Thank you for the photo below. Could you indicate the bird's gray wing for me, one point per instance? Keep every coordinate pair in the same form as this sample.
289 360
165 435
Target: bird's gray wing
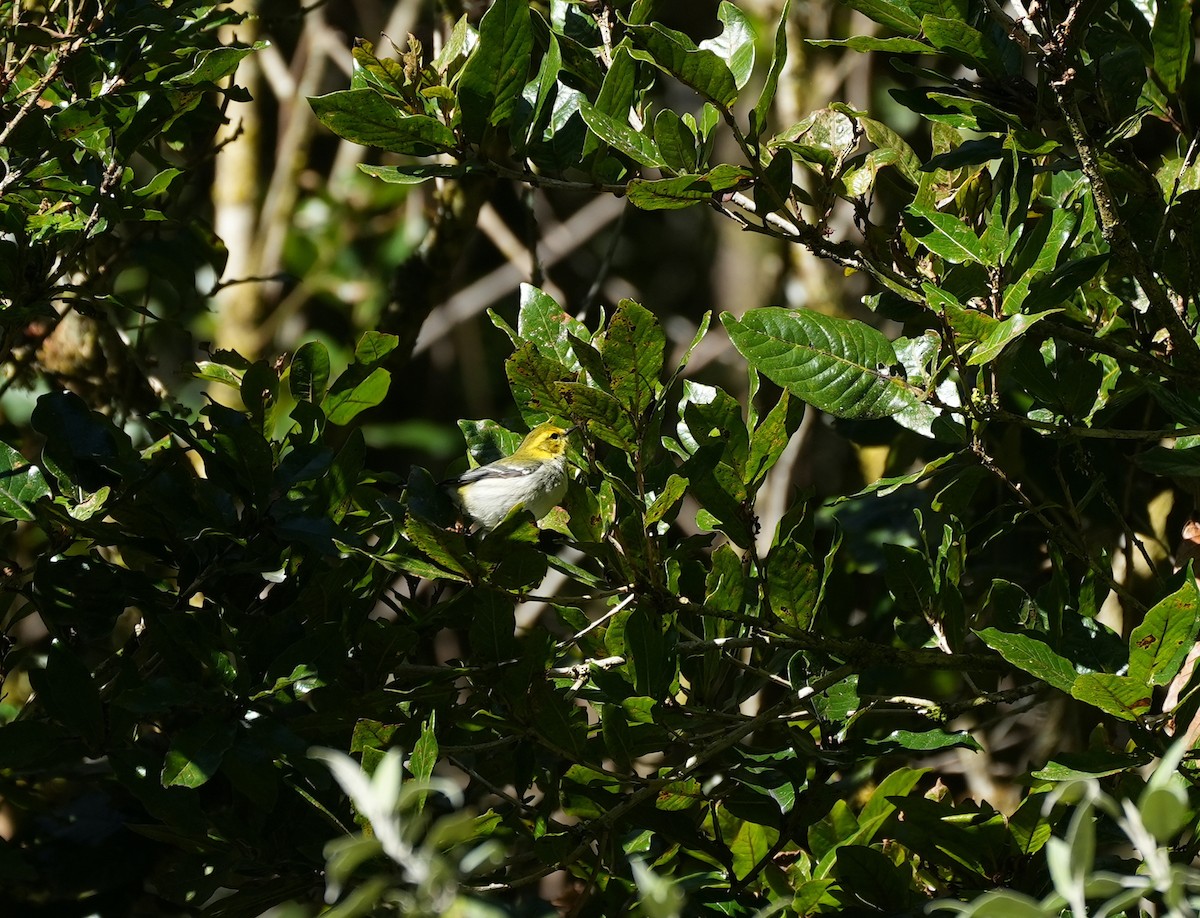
490 471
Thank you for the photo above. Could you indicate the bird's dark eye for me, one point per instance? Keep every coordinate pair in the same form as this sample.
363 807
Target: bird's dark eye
554 436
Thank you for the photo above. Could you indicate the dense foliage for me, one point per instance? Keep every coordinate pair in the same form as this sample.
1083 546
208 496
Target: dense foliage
667 696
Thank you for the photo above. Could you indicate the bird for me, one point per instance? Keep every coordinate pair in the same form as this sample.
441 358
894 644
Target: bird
534 476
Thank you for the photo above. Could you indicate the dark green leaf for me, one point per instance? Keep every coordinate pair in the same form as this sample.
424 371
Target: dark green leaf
675 141
68 691
1000 335
678 55
758 117
309 373
874 879
646 654
212 65
197 751
929 740
492 79
425 751
492 625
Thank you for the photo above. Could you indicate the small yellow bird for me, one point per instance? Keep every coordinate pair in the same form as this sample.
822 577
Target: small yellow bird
535 476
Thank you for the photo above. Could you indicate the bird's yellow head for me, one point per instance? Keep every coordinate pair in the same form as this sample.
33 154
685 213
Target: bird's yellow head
546 441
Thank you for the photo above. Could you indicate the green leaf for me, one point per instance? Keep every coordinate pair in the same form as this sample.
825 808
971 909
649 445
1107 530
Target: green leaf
1096 763
821 139
646 654
632 349
413 175
907 161
872 43
1002 334
685 190
874 878
545 83
373 347
1180 462
1005 903
346 402
792 584
772 437
1122 696
196 752
895 14
671 494
946 236
364 116
1159 645
535 380
492 79
675 141
444 547
544 323
212 65
600 412
425 751
1171 38
308 375
963 42
774 187
83 447
618 738
929 740
616 96
679 796
899 783
735 44
560 721
493 625
1033 656
752 844
841 366
758 117
620 136
678 55
725 587
1029 827
885 486
21 484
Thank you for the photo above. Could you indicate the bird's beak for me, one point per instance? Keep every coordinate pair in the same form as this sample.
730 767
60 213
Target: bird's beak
570 430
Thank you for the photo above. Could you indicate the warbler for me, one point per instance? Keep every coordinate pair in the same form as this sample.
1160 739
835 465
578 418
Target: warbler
535 476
